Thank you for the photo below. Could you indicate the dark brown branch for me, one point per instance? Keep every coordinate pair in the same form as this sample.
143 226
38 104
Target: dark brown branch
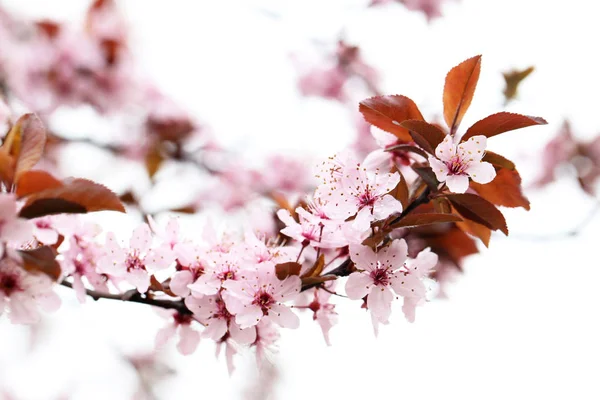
133 296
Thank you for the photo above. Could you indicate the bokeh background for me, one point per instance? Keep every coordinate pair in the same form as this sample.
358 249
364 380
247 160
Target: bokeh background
521 323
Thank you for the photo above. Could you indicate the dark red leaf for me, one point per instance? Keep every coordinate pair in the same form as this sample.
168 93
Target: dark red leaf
459 89
498 161
35 181
479 210
426 135
501 122
76 196
504 190
286 269
388 112
426 219
41 260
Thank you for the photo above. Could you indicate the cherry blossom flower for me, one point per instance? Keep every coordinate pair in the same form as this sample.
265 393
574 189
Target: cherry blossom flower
382 158
191 264
257 251
212 312
312 230
379 274
222 267
420 268
455 164
355 190
79 261
323 311
23 293
260 295
178 323
44 231
132 264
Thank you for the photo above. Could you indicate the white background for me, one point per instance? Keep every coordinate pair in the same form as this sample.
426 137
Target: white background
522 323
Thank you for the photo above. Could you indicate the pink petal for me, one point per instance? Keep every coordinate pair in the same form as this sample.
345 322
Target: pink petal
409 308
408 285
242 336
79 288
139 278
481 172
159 259
23 309
422 265
457 183
207 284
380 303
358 285
386 206
283 316
394 255
363 219
164 335
250 316
363 256
383 138
179 283
287 289
141 239
188 339
378 159
215 328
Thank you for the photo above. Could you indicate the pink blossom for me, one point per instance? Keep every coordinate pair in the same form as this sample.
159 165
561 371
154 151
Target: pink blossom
260 295
383 158
212 312
456 164
326 82
23 293
221 267
79 261
178 323
191 264
133 263
323 311
355 190
378 274
420 268
312 229
257 251
44 231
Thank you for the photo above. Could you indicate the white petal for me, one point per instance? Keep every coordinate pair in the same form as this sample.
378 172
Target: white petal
378 159
215 328
179 283
473 149
383 138
457 183
386 206
141 239
481 172
358 285
242 336
393 255
139 278
363 219
287 289
445 150
439 169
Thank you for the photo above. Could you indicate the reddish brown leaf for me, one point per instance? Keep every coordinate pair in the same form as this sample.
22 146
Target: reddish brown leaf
388 112
41 260
504 190
479 210
459 89
407 147
501 122
454 244
425 219
286 269
513 79
317 268
479 231
426 173
426 135
311 281
153 160
76 196
442 205
29 146
35 181
497 160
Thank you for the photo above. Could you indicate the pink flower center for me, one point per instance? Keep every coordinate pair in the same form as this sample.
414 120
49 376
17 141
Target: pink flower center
227 274
42 224
366 198
134 262
222 312
380 277
182 319
9 284
456 166
264 300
